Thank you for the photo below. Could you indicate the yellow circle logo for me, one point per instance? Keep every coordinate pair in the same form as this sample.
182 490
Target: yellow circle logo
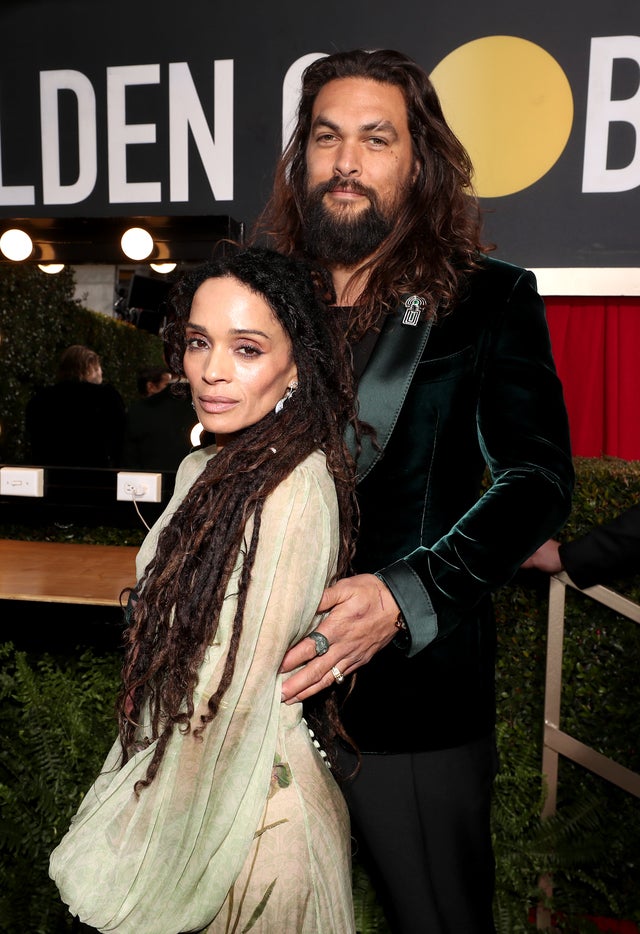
510 104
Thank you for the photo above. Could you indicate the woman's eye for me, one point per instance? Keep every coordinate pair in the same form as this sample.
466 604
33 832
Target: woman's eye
196 342
249 350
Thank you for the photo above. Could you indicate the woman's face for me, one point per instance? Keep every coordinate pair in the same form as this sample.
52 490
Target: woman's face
238 357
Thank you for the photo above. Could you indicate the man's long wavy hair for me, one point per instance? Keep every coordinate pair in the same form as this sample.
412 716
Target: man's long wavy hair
180 594
436 239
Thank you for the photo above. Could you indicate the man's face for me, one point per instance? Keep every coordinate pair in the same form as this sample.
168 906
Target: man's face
360 168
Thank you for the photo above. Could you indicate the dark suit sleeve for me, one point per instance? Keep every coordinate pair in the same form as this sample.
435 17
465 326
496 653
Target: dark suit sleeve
523 434
608 551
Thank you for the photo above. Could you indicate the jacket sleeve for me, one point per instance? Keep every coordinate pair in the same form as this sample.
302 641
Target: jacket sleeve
606 552
523 435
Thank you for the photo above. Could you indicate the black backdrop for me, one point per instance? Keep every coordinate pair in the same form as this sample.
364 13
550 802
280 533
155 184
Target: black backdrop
550 223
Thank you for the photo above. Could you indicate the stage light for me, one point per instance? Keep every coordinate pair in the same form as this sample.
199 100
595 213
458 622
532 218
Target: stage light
51 268
16 244
163 268
136 243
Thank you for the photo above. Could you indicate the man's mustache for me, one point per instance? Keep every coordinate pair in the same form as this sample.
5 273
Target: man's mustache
338 184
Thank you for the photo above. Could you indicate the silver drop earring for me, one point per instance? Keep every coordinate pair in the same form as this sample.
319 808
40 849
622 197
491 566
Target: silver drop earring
280 403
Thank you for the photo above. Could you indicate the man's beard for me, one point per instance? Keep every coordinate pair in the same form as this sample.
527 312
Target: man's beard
341 238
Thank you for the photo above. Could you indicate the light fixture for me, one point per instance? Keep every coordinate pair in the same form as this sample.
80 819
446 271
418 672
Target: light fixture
137 243
15 244
163 268
74 241
51 268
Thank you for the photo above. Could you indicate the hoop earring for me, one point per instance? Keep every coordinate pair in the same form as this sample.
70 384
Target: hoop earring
280 403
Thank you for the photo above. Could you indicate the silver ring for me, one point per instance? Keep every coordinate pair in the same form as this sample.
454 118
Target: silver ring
337 674
321 642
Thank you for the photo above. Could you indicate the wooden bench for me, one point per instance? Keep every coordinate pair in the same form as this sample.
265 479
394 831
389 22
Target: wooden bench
60 572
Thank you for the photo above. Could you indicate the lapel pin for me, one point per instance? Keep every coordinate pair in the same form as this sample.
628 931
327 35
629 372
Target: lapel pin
414 305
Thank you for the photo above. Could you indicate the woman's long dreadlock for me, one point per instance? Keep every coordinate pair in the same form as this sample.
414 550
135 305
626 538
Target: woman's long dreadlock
180 594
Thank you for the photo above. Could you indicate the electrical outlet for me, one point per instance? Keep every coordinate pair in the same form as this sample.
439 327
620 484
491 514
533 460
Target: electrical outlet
22 481
141 487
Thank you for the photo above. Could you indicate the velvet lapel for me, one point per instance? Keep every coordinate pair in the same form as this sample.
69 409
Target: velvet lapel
385 382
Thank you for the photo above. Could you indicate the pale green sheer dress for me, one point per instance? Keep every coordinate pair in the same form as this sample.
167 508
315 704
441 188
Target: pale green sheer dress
246 830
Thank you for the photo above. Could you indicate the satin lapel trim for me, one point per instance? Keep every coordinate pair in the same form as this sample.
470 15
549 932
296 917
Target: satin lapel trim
385 382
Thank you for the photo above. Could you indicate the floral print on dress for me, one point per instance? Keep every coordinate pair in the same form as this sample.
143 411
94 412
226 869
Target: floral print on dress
280 778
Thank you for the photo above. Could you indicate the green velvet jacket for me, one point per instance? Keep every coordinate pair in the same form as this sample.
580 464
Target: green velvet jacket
477 389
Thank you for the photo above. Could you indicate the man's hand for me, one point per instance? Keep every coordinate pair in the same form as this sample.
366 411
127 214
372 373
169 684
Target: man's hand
361 622
546 558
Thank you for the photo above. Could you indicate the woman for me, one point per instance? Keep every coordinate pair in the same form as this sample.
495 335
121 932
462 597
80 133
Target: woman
215 811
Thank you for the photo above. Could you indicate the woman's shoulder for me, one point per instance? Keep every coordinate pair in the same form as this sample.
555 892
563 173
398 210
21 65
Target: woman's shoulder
192 465
310 477
316 462
314 465
306 499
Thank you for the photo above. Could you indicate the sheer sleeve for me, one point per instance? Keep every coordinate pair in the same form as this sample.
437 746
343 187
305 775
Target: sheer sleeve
163 862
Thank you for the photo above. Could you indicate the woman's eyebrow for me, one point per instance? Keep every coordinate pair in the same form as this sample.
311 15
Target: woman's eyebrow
192 326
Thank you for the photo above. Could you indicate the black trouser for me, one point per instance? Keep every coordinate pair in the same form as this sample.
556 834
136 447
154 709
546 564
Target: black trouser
421 823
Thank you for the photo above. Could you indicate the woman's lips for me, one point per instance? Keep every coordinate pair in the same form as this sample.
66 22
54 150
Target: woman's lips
214 405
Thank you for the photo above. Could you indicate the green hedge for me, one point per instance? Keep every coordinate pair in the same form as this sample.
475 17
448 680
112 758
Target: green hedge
57 722
39 318
592 846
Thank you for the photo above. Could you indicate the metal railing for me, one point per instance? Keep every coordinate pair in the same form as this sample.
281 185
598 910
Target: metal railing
556 742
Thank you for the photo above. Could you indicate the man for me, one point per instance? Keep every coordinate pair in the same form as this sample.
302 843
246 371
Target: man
152 380
158 426
79 420
605 553
455 372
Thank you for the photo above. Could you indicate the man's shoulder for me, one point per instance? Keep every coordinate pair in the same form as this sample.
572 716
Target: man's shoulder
492 269
495 279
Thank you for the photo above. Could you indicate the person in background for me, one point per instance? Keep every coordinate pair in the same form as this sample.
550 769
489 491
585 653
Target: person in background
215 811
152 380
452 352
79 420
607 552
158 426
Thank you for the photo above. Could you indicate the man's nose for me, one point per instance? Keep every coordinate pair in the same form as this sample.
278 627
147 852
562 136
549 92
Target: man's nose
347 163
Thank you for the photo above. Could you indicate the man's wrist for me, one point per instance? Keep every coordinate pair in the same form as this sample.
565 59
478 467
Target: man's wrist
403 637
